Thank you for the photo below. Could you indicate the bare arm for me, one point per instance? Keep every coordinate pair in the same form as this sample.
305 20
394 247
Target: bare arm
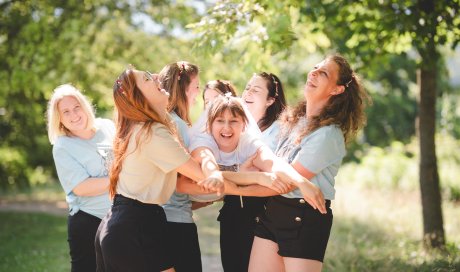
92 187
267 161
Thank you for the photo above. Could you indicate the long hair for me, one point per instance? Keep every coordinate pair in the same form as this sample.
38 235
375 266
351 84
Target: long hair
346 110
176 78
55 127
223 103
131 109
220 86
275 91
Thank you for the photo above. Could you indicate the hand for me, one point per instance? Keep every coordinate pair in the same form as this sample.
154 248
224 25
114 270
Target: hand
230 188
272 181
248 165
215 182
313 195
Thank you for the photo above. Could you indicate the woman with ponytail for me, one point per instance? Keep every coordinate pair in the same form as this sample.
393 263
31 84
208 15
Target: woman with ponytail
291 236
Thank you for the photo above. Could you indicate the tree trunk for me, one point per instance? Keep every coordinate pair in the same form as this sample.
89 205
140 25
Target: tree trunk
433 229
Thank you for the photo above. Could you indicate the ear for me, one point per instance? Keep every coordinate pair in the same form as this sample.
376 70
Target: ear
270 101
338 90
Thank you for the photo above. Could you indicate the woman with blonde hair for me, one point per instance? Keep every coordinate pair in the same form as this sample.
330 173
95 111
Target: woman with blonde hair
82 148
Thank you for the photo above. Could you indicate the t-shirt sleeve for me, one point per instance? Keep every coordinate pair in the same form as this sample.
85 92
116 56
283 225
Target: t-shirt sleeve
203 140
249 145
165 151
321 150
70 171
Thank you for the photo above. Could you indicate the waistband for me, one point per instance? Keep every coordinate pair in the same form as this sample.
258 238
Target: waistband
295 201
123 200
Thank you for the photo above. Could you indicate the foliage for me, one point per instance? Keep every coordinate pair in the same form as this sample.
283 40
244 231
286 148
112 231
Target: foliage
395 167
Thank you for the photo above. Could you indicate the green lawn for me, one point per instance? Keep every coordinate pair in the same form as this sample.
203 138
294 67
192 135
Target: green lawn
373 230
33 242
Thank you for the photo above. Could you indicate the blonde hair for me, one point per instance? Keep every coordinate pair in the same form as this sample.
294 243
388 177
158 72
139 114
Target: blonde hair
55 126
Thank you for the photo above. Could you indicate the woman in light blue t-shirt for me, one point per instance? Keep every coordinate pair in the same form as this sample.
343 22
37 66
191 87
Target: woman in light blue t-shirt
181 80
291 235
82 149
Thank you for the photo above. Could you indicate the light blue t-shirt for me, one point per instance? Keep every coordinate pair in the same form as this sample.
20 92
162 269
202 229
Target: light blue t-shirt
270 135
179 207
77 159
321 152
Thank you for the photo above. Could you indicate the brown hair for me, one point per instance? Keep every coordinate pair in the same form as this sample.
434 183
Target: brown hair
223 103
131 109
275 91
220 86
175 78
346 110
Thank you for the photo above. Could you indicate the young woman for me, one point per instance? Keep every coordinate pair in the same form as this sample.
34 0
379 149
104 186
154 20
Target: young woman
147 158
291 236
82 149
228 146
181 80
265 99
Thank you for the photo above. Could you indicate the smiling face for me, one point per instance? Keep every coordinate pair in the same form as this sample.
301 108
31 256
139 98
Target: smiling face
149 85
226 130
322 82
255 96
193 90
72 115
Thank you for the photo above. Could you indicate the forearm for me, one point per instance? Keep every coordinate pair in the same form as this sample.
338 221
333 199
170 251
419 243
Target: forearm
248 178
187 186
250 190
208 163
92 187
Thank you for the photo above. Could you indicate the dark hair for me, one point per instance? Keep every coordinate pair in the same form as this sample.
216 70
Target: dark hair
175 78
275 91
346 110
223 103
220 86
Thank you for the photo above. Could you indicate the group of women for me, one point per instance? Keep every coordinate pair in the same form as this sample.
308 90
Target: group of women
131 186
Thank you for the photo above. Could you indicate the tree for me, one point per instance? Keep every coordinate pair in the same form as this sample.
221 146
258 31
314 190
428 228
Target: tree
367 31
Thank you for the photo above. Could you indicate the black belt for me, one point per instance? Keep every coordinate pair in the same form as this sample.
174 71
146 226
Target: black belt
123 200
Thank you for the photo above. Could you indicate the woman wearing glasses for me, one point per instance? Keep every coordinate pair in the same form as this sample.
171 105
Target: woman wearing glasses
147 157
82 149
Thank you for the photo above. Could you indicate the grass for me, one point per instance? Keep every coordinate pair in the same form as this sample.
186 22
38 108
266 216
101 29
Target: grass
373 230
33 242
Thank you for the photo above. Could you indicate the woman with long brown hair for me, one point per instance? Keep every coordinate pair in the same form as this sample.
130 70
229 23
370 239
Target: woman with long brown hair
291 236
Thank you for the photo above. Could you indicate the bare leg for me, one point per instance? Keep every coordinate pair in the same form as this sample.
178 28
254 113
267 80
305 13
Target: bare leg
169 270
297 264
264 256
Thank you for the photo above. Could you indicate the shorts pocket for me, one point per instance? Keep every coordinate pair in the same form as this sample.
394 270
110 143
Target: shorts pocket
286 220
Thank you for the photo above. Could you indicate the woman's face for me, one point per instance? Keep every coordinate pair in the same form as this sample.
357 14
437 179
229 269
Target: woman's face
322 81
255 96
149 85
226 130
210 95
72 115
193 90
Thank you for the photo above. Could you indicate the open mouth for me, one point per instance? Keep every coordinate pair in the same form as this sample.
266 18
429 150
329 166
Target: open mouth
248 102
163 91
226 135
310 84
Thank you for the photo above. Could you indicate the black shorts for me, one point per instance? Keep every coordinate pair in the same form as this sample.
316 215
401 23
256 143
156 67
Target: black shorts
132 237
184 247
299 230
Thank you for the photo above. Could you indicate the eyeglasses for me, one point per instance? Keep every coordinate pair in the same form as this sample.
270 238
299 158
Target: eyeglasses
148 76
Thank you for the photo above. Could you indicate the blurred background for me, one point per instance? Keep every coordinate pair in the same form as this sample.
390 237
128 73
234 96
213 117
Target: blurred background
398 195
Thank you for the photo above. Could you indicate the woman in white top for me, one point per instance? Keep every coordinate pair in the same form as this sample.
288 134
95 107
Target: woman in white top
82 149
265 99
